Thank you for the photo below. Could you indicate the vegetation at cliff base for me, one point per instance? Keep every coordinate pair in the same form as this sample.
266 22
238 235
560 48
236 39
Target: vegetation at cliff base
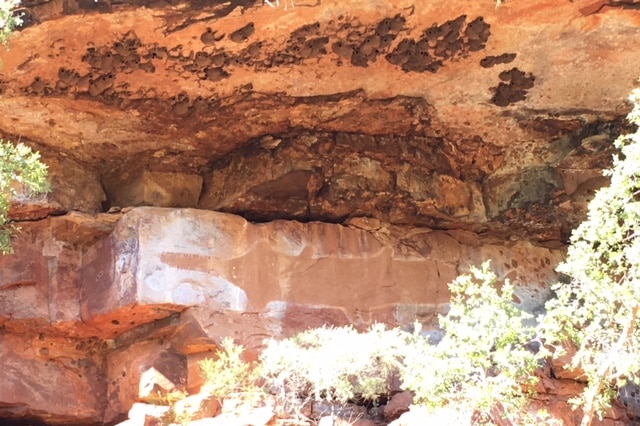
483 358
487 361
20 170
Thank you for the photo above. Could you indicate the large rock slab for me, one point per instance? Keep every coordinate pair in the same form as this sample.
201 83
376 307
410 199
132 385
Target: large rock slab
51 379
146 371
40 280
281 277
113 311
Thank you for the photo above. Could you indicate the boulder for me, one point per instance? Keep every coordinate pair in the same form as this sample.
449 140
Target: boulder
398 404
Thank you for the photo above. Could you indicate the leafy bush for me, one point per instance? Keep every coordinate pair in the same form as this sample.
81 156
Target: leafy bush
482 363
598 309
334 364
229 373
482 359
17 164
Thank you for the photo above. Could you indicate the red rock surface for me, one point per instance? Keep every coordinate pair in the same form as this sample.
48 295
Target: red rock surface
289 274
399 178
229 277
287 133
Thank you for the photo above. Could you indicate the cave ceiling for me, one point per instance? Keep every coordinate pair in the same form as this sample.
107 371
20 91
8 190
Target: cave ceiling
437 114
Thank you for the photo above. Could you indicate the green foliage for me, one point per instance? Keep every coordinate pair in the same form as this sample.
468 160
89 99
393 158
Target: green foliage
18 164
334 364
482 362
482 359
8 20
598 309
229 373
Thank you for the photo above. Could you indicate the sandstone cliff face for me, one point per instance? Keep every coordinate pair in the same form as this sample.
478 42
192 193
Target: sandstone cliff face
170 283
406 140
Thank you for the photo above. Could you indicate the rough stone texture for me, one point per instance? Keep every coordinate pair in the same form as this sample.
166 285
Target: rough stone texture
486 141
398 404
499 119
173 282
40 281
144 371
51 378
198 406
142 187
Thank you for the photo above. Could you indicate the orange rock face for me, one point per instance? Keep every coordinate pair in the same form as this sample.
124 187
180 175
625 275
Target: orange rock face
379 149
295 275
425 114
168 284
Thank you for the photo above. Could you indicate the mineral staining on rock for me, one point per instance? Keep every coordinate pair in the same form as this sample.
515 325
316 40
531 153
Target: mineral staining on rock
354 44
513 88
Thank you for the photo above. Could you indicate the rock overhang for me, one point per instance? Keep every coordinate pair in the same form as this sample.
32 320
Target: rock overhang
191 89
437 164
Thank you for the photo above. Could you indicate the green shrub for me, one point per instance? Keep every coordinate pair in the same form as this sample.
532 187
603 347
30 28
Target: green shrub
229 373
598 310
333 364
17 164
8 20
482 360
